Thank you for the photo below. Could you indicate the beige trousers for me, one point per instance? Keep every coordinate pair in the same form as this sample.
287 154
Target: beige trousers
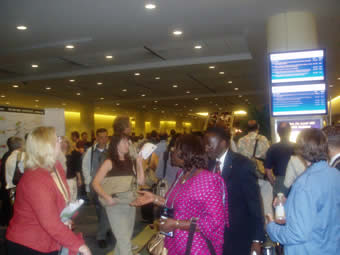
72 185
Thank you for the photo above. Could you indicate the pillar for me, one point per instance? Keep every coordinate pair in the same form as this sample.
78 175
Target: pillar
87 119
287 32
140 123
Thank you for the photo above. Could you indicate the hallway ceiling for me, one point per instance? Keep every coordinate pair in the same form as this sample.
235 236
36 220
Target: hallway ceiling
231 34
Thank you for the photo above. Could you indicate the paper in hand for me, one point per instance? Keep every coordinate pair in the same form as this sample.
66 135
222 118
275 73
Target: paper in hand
147 150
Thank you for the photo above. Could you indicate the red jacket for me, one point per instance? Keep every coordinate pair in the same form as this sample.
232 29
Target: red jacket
36 221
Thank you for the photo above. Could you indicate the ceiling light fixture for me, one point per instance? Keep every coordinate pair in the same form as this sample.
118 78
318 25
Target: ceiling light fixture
2 96
155 101
203 113
239 96
175 86
211 67
137 74
221 72
197 47
118 104
109 57
331 86
142 95
72 80
99 83
177 32
338 78
176 104
7 103
235 88
70 46
157 78
48 88
102 98
63 104
124 90
21 27
15 86
78 94
188 92
150 6
230 82
35 66
196 98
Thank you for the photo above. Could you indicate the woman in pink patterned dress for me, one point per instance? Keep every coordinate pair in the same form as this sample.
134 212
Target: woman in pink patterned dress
197 193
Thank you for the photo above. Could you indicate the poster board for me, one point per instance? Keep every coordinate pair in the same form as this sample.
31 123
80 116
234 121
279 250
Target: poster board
15 121
55 117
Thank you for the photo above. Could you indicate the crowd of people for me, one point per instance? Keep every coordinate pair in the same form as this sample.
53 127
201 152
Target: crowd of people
223 189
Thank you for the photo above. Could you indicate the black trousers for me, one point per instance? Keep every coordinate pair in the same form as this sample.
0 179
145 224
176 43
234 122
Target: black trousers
18 249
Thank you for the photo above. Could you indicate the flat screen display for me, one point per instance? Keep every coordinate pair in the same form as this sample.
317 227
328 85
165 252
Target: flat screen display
297 66
304 99
297 126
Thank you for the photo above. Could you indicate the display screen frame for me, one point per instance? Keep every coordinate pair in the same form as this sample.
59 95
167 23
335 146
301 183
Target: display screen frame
301 81
297 83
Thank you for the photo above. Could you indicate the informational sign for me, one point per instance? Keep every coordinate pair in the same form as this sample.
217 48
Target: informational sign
298 125
16 121
297 66
299 100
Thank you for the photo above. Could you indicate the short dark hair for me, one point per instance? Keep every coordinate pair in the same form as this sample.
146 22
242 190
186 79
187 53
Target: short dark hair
311 144
101 130
120 124
252 125
83 133
223 133
163 136
75 134
333 135
192 152
284 129
172 132
14 143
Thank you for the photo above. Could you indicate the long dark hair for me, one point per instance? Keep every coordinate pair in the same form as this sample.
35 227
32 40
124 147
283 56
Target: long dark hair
113 152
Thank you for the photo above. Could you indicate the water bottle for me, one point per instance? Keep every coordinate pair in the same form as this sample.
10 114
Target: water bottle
279 209
268 250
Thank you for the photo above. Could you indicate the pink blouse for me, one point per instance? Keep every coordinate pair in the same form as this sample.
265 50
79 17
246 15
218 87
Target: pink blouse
203 196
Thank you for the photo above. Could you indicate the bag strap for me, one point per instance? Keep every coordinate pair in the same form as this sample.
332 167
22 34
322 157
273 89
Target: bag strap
254 153
61 186
92 152
192 230
165 157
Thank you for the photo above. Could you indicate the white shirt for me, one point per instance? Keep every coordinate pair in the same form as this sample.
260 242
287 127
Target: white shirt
222 159
333 159
10 166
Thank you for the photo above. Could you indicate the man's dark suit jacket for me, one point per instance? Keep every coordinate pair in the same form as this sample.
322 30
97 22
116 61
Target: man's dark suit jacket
244 204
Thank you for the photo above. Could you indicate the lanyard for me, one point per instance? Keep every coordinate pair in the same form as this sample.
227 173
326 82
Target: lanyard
60 185
173 187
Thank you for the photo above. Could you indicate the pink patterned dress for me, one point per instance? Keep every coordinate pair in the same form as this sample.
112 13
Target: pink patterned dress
203 196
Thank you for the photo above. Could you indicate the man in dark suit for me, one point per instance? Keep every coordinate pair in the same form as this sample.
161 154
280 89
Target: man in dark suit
246 231
333 135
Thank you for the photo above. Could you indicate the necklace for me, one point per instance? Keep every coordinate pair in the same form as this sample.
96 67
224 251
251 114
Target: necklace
189 176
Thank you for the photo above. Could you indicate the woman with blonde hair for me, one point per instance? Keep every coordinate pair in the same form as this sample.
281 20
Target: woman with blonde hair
41 195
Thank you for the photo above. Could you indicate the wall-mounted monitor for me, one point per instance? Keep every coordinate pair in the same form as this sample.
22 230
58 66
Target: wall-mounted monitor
306 99
298 66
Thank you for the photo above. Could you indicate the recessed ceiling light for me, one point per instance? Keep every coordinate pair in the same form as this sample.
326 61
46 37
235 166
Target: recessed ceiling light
220 109
72 80
155 101
235 88
142 95
177 32
102 98
331 86
99 83
190 110
163 111
109 57
188 92
48 88
197 47
78 94
2 96
175 86
137 74
338 78
239 96
211 67
118 104
150 6
196 98
36 105
15 86
21 27
157 78
155 108
176 104
221 72
124 90
70 46
35 66
230 82
63 104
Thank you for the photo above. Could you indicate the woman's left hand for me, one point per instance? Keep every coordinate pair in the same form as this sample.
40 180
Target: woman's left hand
167 225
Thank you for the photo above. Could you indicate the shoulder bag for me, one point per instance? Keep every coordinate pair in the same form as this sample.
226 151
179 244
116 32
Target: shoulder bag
259 162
